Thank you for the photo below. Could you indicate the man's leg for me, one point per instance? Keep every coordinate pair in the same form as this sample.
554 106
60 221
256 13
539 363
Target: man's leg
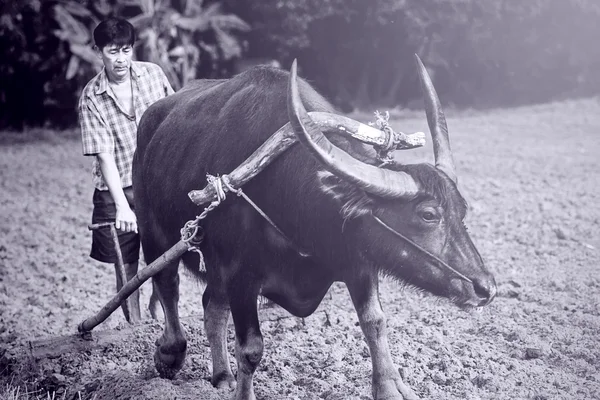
131 315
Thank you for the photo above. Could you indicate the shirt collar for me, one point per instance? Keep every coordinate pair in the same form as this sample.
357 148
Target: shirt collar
102 83
137 70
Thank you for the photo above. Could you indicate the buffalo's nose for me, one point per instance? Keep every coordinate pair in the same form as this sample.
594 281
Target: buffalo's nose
486 289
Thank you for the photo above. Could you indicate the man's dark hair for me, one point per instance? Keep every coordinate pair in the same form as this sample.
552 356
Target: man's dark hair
117 31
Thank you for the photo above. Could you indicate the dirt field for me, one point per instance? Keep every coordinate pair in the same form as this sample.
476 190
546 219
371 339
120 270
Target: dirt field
531 176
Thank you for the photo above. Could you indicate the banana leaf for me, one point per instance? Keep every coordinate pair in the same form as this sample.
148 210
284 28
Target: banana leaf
229 22
86 53
102 7
199 23
77 31
229 45
148 6
191 7
73 67
177 51
75 8
142 21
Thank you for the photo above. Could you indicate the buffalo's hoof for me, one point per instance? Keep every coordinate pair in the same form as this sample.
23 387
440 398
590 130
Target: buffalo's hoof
168 364
394 389
223 380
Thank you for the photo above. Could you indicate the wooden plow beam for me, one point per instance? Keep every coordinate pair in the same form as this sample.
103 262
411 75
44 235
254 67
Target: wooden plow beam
132 285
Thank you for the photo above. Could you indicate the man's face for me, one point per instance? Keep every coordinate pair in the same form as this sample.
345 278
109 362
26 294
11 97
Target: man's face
117 61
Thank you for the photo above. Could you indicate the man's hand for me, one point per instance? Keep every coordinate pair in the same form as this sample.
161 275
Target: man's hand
125 219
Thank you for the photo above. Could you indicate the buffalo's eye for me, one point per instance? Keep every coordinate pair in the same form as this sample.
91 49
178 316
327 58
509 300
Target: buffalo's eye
429 216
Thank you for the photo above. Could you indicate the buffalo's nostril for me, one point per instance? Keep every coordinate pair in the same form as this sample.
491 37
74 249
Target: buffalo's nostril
485 288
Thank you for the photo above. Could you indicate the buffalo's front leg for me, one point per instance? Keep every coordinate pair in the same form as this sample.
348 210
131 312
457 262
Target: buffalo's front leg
248 338
387 383
216 315
171 346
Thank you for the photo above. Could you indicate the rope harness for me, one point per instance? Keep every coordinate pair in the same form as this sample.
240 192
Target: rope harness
193 234
393 140
422 250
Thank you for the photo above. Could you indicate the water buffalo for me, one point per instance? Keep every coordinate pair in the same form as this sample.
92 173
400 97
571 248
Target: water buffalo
339 217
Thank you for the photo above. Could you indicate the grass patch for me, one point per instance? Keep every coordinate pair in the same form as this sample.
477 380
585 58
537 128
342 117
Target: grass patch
15 392
25 380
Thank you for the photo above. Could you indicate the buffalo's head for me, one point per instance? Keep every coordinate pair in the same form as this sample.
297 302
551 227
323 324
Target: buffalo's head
409 218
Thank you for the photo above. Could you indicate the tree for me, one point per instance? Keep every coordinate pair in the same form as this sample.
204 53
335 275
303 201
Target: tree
176 34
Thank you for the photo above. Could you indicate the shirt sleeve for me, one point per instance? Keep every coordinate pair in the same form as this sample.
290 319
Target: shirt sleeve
95 135
168 89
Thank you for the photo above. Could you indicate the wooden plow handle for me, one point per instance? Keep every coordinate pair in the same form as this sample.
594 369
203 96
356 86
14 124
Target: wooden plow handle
93 227
115 237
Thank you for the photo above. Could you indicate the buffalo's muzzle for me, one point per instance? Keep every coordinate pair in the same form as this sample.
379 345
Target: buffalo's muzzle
485 289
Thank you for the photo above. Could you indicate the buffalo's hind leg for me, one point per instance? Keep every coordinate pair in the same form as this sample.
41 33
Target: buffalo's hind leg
243 296
387 383
216 316
171 346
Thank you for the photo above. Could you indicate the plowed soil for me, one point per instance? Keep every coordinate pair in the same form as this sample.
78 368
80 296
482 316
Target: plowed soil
531 177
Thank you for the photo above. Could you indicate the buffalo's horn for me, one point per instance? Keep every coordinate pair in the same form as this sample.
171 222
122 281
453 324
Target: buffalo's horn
437 124
374 180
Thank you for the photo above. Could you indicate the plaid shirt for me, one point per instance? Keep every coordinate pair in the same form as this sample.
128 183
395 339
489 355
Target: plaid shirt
107 128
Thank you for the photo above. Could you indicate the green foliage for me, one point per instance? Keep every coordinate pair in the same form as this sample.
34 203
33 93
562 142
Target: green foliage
175 35
47 50
76 22
172 34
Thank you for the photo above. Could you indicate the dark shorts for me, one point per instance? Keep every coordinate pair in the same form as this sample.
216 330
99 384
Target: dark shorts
103 248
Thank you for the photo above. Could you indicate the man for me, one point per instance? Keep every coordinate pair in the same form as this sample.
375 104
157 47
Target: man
110 109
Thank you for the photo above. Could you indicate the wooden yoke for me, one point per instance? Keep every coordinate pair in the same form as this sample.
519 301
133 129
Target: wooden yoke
285 137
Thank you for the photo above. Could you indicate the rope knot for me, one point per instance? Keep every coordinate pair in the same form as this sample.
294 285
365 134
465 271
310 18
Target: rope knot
227 184
189 230
394 140
217 183
222 185
384 152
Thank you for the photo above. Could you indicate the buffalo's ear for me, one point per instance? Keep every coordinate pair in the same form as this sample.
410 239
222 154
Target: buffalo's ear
353 201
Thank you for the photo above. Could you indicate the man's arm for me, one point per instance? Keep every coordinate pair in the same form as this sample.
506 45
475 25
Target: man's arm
97 141
125 219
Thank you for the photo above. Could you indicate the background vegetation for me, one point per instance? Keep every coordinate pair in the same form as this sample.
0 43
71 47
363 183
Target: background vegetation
358 53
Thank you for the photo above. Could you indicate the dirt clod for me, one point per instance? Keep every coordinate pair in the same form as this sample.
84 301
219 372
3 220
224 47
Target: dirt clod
532 353
560 233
